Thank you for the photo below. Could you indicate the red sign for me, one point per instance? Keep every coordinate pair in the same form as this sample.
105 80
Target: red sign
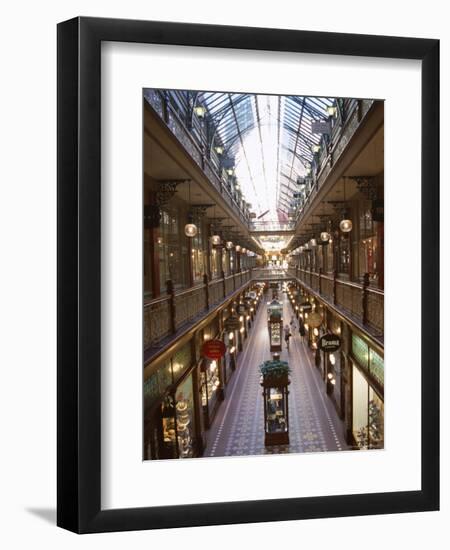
213 349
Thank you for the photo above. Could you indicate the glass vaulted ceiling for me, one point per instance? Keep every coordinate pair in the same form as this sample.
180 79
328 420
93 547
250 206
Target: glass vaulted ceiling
271 141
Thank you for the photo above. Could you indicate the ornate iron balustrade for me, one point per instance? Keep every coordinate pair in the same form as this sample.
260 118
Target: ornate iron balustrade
156 321
358 301
164 316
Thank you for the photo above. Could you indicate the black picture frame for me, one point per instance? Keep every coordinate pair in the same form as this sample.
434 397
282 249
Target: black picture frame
79 280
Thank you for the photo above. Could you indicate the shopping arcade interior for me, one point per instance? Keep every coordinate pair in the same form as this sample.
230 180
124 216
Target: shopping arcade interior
199 152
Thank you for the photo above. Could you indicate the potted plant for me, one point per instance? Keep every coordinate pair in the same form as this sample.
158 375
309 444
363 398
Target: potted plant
275 372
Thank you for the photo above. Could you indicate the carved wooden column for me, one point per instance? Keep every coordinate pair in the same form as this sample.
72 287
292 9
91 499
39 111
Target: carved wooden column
364 298
335 286
224 284
172 307
205 282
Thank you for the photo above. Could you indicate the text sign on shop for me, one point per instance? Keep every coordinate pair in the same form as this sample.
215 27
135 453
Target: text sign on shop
329 342
232 323
305 306
213 349
241 309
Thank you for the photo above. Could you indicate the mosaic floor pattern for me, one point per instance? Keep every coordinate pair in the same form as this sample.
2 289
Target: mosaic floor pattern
238 429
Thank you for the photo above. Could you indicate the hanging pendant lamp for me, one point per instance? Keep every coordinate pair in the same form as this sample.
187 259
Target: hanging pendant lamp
190 229
346 224
215 239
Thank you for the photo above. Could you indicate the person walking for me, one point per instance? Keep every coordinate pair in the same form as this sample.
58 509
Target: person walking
301 329
293 325
287 335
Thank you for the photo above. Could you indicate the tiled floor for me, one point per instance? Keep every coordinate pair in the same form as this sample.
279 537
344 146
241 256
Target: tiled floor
238 428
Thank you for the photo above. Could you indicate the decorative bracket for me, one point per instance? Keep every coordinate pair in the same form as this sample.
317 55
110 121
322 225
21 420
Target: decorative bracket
199 210
366 185
166 190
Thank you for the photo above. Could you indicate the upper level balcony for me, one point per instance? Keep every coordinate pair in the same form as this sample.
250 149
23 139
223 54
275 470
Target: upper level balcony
191 135
198 136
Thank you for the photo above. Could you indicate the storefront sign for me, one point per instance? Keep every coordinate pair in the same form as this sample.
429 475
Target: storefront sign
329 342
314 319
232 323
241 309
213 349
305 306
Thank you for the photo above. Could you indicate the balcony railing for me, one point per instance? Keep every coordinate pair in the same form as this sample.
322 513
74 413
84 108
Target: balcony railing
358 301
164 316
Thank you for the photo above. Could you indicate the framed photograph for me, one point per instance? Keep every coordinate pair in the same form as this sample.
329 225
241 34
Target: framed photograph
234 204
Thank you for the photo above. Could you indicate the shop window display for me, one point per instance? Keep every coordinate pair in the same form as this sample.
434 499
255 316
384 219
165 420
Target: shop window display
185 418
368 414
368 243
172 251
169 432
210 383
368 358
360 407
344 254
198 253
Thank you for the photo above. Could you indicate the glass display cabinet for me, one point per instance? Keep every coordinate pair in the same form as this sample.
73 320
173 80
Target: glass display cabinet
210 384
275 382
275 307
275 331
275 324
185 419
169 433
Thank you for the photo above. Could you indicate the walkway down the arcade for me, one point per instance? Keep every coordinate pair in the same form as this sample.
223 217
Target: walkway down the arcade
314 425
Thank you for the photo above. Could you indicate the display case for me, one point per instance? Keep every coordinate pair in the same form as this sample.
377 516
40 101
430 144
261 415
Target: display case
275 382
275 324
169 432
275 332
275 307
185 419
210 385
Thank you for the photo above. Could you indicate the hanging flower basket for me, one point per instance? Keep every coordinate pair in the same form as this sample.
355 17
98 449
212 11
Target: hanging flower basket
275 372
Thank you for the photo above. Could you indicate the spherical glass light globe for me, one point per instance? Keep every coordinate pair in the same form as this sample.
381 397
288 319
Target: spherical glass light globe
190 230
216 240
238 248
313 242
325 236
346 226
244 250
229 245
